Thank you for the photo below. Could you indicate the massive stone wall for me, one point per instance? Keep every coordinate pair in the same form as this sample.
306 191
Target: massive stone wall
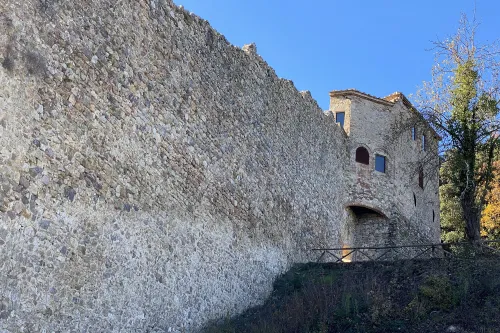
152 176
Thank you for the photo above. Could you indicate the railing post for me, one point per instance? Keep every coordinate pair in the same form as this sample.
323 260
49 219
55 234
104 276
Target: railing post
321 256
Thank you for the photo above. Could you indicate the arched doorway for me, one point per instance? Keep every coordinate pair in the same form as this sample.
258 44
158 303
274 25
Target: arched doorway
370 228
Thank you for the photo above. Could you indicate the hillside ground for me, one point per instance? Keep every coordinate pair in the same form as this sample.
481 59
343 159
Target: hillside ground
435 295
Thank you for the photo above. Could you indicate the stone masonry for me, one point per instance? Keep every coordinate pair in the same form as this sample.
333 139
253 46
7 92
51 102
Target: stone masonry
154 177
408 211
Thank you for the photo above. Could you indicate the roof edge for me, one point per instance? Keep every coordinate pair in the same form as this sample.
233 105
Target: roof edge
354 92
389 100
407 103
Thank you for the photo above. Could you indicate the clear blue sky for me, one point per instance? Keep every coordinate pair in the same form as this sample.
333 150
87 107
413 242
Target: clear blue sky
378 47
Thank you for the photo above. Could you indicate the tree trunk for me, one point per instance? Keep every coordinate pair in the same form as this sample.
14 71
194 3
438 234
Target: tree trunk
471 215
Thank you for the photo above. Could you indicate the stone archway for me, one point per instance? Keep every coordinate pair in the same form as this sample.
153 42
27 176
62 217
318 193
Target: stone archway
370 228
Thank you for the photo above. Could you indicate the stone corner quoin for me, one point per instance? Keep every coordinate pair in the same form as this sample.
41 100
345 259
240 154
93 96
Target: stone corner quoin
155 177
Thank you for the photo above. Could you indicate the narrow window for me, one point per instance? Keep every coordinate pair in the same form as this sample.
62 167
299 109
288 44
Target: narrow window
421 177
414 199
433 216
340 118
423 142
362 156
380 163
414 133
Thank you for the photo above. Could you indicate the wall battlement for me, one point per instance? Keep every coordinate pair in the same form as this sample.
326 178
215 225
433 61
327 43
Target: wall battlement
152 175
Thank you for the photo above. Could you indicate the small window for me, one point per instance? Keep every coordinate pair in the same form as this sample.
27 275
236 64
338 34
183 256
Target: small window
421 177
340 118
380 163
362 156
423 142
433 216
414 199
414 133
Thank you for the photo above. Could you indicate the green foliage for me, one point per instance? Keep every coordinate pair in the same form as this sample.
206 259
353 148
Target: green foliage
452 222
436 293
464 109
463 92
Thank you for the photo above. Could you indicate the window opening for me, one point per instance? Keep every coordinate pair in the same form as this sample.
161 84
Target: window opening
421 177
362 156
340 118
433 216
380 163
423 142
414 133
414 199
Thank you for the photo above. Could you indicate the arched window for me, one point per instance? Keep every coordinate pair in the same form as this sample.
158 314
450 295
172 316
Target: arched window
362 156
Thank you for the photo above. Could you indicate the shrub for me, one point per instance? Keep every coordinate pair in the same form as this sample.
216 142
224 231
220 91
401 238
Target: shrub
436 293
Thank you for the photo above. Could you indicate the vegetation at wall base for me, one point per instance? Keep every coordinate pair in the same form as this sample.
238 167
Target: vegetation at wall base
459 295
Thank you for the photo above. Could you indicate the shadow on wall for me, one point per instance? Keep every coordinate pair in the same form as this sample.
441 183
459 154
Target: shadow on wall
371 229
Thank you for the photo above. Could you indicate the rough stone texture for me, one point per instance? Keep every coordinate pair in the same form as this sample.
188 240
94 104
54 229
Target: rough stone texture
383 127
152 176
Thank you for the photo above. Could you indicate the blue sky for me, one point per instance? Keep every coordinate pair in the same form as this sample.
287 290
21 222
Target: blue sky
378 47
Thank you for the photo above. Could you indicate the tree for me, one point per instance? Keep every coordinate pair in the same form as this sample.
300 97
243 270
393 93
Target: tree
452 222
461 102
490 219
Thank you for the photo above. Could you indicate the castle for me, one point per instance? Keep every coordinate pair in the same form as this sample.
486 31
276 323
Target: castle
392 198
154 177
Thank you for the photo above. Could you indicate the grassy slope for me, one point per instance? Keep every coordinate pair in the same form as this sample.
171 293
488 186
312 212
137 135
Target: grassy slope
404 296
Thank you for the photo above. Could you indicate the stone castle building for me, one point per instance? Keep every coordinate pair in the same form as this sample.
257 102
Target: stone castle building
154 177
393 195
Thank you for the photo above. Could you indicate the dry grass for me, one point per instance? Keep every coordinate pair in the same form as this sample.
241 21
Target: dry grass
403 296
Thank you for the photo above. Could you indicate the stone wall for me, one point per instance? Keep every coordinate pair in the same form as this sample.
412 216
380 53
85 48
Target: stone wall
152 176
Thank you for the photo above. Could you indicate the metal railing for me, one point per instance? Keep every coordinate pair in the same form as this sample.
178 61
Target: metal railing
398 252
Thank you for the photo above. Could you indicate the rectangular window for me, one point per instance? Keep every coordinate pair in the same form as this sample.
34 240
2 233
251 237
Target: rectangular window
340 118
423 142
380 163
414 133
